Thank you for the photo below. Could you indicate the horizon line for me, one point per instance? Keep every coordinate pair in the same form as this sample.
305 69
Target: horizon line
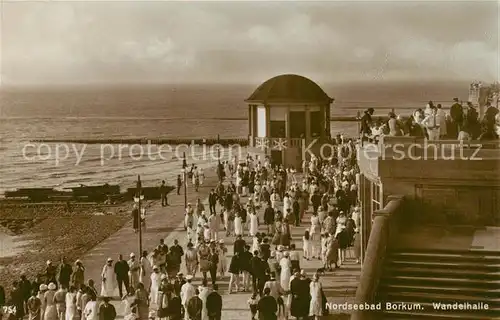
107 85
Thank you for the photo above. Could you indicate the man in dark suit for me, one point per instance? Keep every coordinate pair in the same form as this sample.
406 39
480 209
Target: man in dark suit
366 121
121 271
301 297
195 306
267 306
212 200
457 118
258 273
179 184
214 304
239 245
163 194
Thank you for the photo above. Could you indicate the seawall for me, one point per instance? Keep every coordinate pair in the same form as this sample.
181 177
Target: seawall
155 141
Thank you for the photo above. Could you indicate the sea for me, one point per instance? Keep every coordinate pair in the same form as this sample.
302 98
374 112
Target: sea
157 111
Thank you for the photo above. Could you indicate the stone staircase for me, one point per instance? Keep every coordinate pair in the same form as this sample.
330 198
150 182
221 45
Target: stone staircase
466 282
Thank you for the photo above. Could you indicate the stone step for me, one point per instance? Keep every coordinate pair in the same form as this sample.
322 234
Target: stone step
447 252
452 265
402 315
455 273
437 289
440 297
448 281
438 257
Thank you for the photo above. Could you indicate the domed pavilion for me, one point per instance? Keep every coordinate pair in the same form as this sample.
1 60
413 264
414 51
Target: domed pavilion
287 114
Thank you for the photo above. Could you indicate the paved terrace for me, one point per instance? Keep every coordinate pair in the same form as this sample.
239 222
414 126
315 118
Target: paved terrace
166 222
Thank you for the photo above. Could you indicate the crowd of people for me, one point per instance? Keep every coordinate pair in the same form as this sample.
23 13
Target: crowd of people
256 203
434 123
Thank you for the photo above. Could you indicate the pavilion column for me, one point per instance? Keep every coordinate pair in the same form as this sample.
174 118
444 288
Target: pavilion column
268 121
322 133
255 119
250 121
287 123
308 124
327 121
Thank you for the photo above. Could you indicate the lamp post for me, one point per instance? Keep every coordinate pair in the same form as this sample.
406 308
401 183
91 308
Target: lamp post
140 211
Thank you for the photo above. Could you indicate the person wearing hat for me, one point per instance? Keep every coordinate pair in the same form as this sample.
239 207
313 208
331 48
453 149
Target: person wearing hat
222 264
178 283
194 308
316 302
41 296
78 275
106 310
155 285
50 307
108 278
188 291
50 272
134 270
204 291
274 286
191 259
71 304
91 287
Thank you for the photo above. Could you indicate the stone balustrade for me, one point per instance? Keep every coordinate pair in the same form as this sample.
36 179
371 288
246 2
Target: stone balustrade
383 231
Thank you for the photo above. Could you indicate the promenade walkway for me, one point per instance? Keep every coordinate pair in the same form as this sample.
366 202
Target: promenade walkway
339 286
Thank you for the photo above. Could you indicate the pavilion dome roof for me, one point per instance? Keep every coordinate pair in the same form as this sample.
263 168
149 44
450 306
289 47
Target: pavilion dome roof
289 88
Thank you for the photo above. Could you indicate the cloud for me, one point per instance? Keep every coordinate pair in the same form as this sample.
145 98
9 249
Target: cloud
61 42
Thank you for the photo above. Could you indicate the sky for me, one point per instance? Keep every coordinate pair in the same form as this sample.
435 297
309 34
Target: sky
85 42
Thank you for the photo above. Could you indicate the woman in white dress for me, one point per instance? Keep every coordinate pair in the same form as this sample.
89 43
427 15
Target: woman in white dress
315 232
109 285
71 313
204 292
146 270
255 243
321 214
40 295
238 225
91 311
341 223
50 306
128 300
222 265
254 223
156 278
316 304
286 271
